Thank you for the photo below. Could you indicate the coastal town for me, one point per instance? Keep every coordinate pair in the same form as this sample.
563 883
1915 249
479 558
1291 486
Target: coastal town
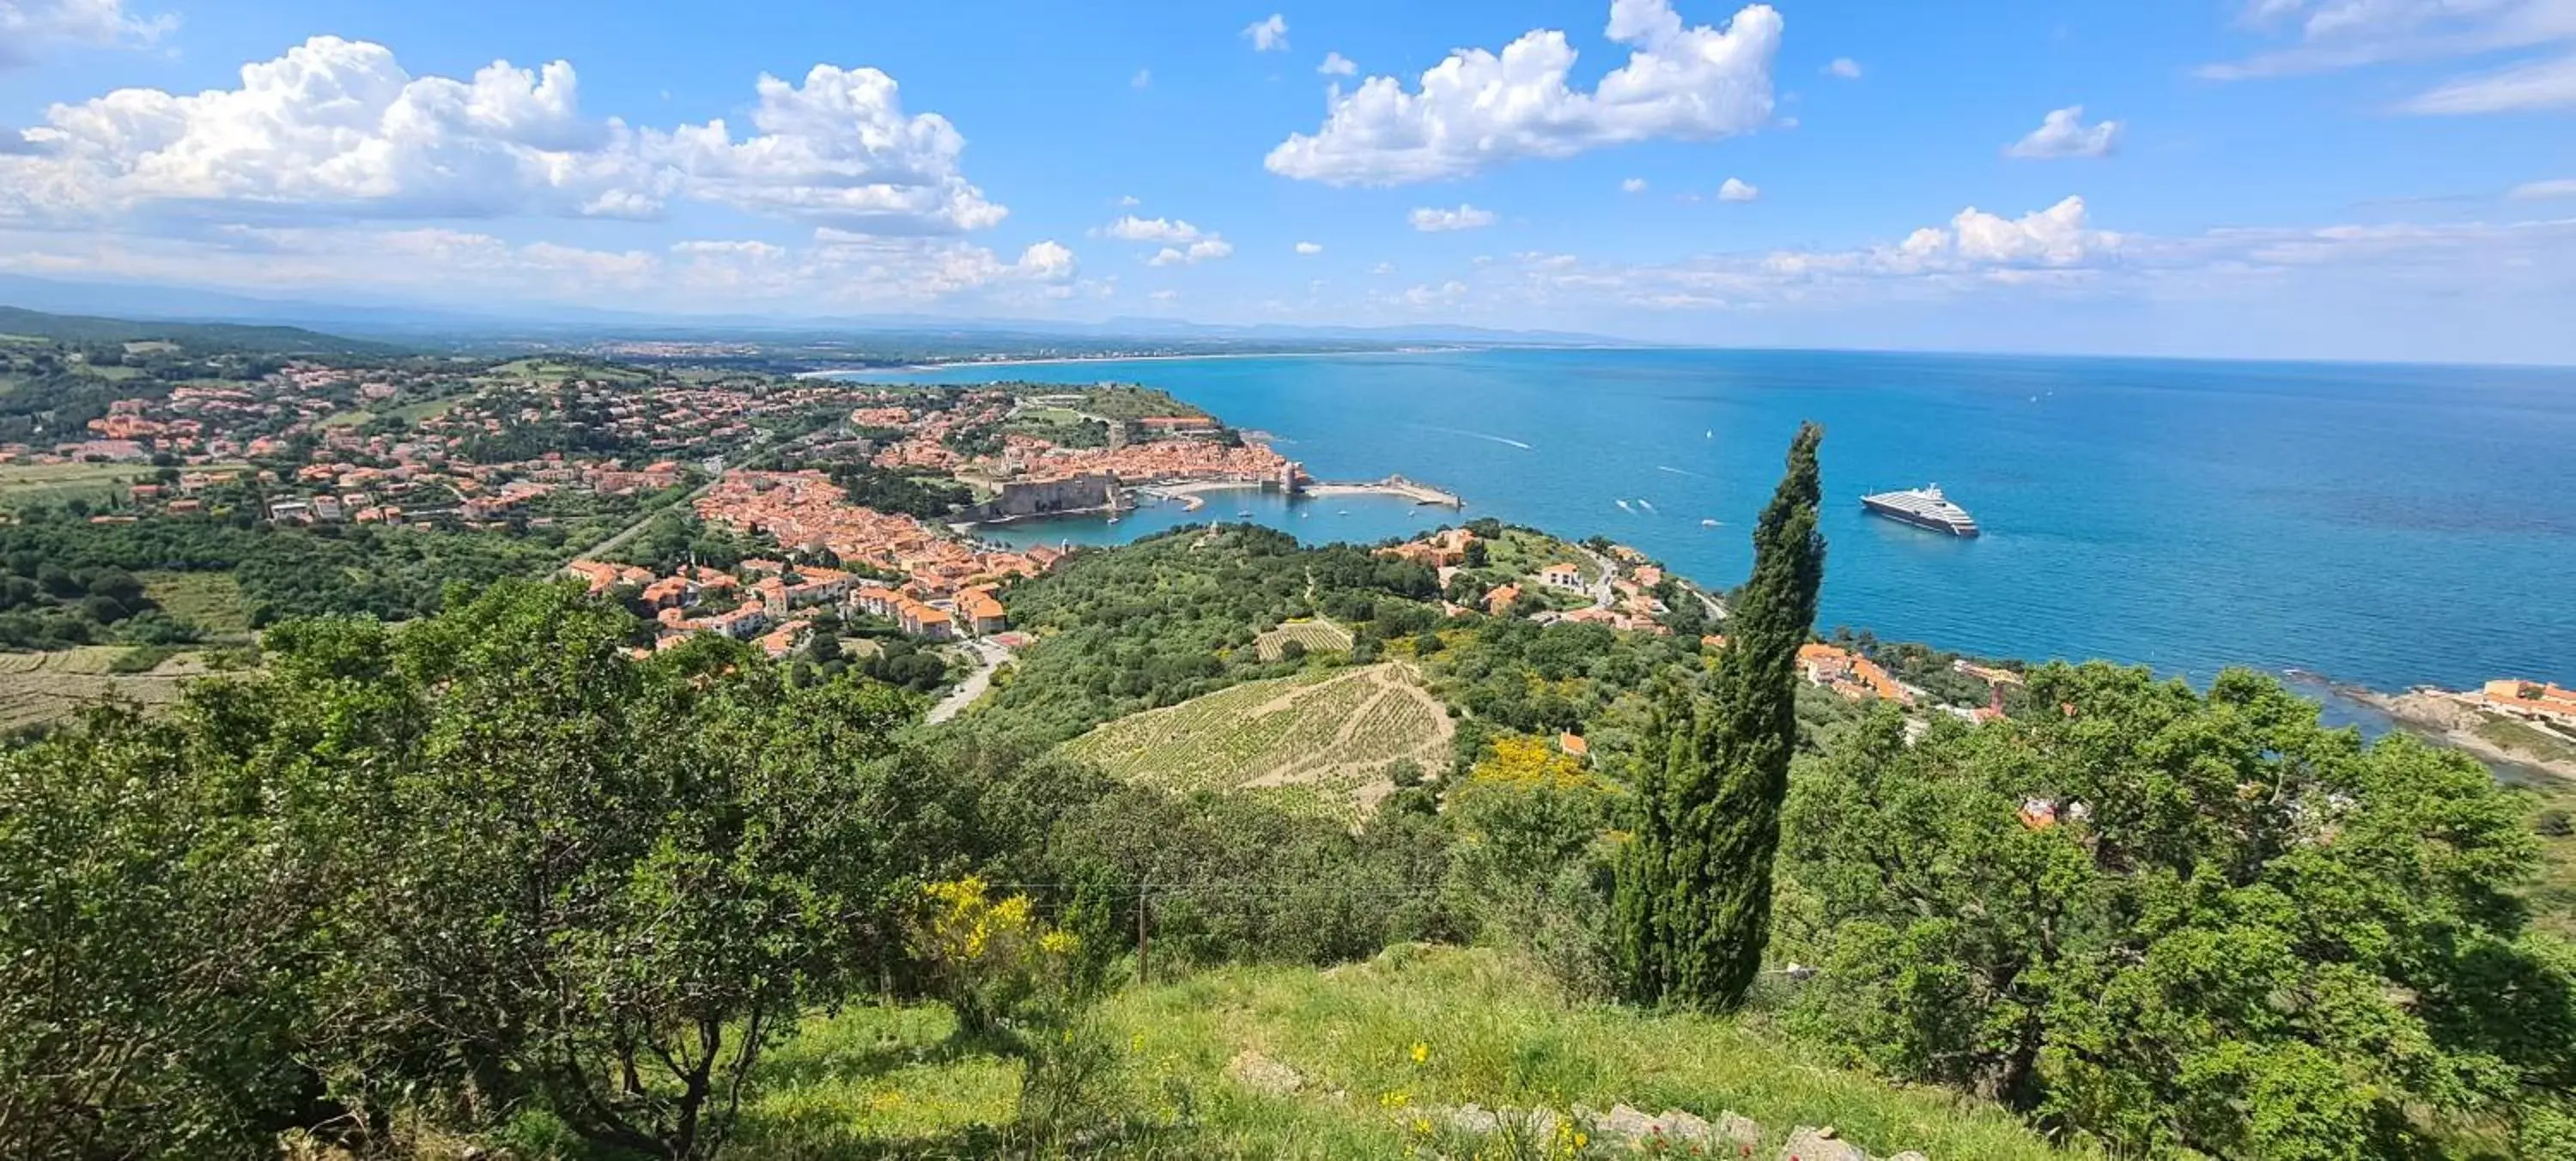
856 504
590 455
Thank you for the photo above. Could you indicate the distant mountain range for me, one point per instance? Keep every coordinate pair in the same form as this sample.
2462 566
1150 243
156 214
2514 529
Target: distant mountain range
433 326
266 340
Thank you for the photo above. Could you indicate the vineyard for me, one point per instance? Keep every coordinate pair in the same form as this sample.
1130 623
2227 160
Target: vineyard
1317 636
1332 732
43 687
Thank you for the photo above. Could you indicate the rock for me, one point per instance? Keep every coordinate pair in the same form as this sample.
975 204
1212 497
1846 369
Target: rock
1812 1144
1261 1074
1683 1128
1909 1155
1736 1130
1625 1123
1471 1118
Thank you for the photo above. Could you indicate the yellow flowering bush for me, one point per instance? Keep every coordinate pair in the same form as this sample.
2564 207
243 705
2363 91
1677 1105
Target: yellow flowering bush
987 957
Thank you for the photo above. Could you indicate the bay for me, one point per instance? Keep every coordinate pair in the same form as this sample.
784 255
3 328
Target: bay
2382 524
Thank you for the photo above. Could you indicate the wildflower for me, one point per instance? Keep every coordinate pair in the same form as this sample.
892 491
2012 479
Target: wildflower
1421 1052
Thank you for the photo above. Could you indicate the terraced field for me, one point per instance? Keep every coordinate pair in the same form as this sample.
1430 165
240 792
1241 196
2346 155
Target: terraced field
1317 636
42 687
1332 732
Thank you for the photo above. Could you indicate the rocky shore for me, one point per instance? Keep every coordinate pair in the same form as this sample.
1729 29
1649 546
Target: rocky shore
2452 720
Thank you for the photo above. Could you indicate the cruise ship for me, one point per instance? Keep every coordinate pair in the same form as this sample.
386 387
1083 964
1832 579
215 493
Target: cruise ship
1923 507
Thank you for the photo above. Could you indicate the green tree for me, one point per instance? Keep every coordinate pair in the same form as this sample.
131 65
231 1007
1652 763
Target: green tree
483 865
2167 919
1693 907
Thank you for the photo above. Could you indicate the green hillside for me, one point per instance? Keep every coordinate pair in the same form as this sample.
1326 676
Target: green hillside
252 339
1375 1059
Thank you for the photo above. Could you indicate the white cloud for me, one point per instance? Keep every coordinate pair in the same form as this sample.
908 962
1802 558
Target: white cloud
1844 67
1196 252
1337 65
1050 261
1383 268
1129 202
1431 219
1181 242
1269 35
2548 84
1441 295
2050 246
2340 34
837 149
1738 190
1310 248
338 127
29 28
834 270
2564 187
1135 229
1144 79
1478 110
1165 296
2063 133
1633 185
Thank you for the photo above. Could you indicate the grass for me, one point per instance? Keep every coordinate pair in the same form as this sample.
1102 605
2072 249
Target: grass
1382 1050
56 483
1316 636
2553 896
36 688
559 370
2528 739
211 601
1333 731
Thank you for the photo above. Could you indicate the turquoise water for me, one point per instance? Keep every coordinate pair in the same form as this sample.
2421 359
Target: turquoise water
2387 525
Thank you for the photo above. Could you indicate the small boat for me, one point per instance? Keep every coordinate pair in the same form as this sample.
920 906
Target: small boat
1343 512
1623 505
1643 503
1245 513
1708 523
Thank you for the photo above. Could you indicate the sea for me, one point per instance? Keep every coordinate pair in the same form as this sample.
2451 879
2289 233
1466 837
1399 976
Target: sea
2382 525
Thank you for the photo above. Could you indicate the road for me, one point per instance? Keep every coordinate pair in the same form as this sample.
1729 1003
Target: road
989 655
636 529
750 455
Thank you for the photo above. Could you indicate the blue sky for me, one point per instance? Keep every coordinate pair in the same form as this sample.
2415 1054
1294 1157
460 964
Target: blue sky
2358 178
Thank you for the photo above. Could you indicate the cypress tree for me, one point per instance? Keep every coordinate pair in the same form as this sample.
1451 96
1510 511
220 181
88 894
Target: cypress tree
1694 894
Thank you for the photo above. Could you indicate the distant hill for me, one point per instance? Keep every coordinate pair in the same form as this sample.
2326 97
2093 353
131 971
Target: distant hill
266 340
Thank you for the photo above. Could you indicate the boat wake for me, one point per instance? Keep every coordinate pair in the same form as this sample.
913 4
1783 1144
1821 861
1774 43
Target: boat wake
1505 440
1675 471
1623 505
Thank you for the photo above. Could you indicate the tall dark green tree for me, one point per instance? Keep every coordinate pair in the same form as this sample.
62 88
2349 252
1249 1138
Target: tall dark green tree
1694 892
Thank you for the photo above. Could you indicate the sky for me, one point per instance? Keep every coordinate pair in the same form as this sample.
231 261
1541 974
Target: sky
2366 179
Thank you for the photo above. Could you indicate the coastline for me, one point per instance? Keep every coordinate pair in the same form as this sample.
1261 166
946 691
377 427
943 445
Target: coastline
1053 360
2443 719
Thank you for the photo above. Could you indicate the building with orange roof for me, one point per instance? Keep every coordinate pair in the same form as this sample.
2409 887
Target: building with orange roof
1849 674
980 612
922 620
1561 575
1574 745
2531 699
1499 602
